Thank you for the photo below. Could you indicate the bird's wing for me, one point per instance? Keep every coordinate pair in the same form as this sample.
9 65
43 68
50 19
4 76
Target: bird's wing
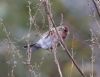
49 33
45 35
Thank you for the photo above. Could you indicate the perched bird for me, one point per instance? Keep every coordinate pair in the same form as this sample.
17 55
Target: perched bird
50 38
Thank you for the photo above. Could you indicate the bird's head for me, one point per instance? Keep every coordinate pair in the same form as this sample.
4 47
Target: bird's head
63 30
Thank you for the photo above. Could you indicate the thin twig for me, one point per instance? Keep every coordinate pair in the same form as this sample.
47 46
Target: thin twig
48 7
32 21
94 42
29 51
96 7
72 65
61 40
30 26
56 60
10 44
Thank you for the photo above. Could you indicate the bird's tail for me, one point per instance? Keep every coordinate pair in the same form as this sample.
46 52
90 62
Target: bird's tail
33 47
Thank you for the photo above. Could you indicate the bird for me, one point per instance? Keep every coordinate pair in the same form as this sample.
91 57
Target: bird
49 38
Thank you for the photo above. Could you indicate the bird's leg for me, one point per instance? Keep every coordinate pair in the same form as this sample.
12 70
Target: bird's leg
50 49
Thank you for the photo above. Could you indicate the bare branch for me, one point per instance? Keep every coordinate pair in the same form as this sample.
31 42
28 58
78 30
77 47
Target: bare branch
56 60
61 40
96 7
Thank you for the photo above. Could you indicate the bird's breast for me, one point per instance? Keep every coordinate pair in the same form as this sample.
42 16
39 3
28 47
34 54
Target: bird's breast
45 42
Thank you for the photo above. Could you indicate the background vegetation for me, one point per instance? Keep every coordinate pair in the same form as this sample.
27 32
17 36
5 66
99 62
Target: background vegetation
82 42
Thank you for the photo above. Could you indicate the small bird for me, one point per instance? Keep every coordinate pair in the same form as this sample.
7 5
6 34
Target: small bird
50 38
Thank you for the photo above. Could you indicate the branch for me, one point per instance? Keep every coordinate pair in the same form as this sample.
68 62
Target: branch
56 60
48 12
61 40
96 7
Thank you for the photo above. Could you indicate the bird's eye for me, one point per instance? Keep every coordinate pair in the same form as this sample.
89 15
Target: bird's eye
65 30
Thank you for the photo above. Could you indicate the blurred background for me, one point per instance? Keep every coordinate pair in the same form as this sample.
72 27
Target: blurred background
82 42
